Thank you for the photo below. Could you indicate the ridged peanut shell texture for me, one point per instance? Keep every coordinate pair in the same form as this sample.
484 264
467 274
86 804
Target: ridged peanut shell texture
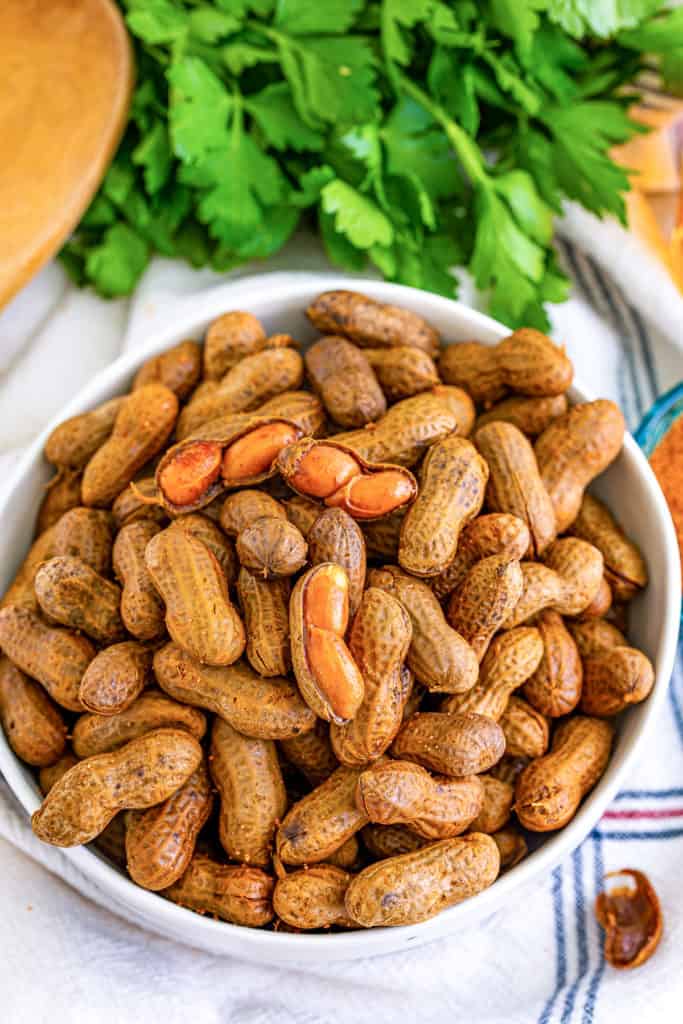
178 368
34 728
450 744
335 537
625 567
100 734
345 381
71 593
313 898
235 893
265 609
495 534
485 599
315 827
371 324
74 442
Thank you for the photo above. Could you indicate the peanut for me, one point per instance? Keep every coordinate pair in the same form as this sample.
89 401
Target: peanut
510 767
484 600
496 805
303 512
56 657
112 841
235 893
615 679
160 842
100 734
179 369
382 537
199 525
346 383
601 603
406 430
199 614
329 679
115 677
390 840
20 592
438 656
85 533
142 773
511 659
573 450
265 608
61 494
595 635
142 610
71 593
416 886
371 324
401 793
229 338
402 371
311 753
550 789
269 709
515 484
625 567
457 744
452 486
526 361
526 730
530 415
248 384
488 535
313 898
322 821
34 728
300 407
242 508
555 687
336 537
460 404
74 442
48 775
143 425
138 501
512 847
347 856
566 581
378 642
247 775
271 547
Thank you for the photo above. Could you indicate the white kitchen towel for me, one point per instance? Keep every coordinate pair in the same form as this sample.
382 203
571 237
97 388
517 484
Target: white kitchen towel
538 959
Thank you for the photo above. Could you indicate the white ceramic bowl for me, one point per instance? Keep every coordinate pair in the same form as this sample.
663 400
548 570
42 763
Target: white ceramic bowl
629 487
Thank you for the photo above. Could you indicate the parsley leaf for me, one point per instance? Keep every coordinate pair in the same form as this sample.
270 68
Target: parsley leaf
313 17
198 110
356 216
115 265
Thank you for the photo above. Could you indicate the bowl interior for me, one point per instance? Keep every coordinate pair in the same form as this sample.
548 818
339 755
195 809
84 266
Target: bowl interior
629 488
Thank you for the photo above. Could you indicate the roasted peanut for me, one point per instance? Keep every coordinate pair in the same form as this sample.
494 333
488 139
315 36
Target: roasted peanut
247 775
494 534
378 642
509 768
142 773
115 677
199 614
382 537
160 842
345 382
271 547
515 485
457 744
496 805
402 371
74 442
248 384
526 361
303 512
555 687
56 657
347 856
402 793
615 679
265 608
371 324
452 485
313 898
573 450
100 734
336 537
390 840
321 821
512 847
179 369
208 532
526 730
416 886
629 912
595 636
601 603
48 775
229 338
438 656
484 600
243 508
550 789
138 501
625 567
301 407
112 841
510 660
71 593
235 893
85 533
530 415
142 610
143 425
269 709
406 431
566 581
20 592
328 677
34 728
61 494
311 753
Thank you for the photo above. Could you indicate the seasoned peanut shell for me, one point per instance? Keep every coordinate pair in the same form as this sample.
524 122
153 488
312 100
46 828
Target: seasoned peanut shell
100 734
74 442
371 324
265 608
336 537
235 893
178 368
346 383
115 677
455 745
34 728
322 821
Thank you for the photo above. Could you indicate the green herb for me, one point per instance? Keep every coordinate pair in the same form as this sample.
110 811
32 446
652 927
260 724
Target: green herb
414 135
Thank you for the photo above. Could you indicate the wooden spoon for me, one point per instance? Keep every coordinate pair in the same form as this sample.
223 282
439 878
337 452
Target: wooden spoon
67 75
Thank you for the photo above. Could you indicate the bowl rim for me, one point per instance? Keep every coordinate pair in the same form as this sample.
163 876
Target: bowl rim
158 912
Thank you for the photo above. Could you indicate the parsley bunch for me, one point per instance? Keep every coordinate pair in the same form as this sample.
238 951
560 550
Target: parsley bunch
418 135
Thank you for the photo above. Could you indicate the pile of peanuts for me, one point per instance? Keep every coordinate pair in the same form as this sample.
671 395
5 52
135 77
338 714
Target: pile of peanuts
324 658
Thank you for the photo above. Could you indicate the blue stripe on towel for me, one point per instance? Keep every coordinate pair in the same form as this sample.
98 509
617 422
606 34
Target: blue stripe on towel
594 984
560 946
648 358
665 833
647 794
581 936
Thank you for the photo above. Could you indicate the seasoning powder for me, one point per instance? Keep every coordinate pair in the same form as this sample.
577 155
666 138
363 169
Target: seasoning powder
667 463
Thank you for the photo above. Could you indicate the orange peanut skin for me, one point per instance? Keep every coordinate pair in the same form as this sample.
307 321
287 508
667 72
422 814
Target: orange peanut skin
241 508
452 486
573 450
371 324
530 415
313 898
402 371
235 893
34 728
144 772
526 730
160 842
510 660
142 609
270 709
336 537
99 734
272 547
74 442
85 533
318 824
56 657
422 883
625 568
495 534
178 368
265 609
450 744
21 592
311 753
614 680
566 581
143 425
484 600
550 789
115 677
346 383
71 593
526 361
62 493
555 687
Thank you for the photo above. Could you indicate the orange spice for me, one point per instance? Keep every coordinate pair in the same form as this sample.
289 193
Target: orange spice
667 463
